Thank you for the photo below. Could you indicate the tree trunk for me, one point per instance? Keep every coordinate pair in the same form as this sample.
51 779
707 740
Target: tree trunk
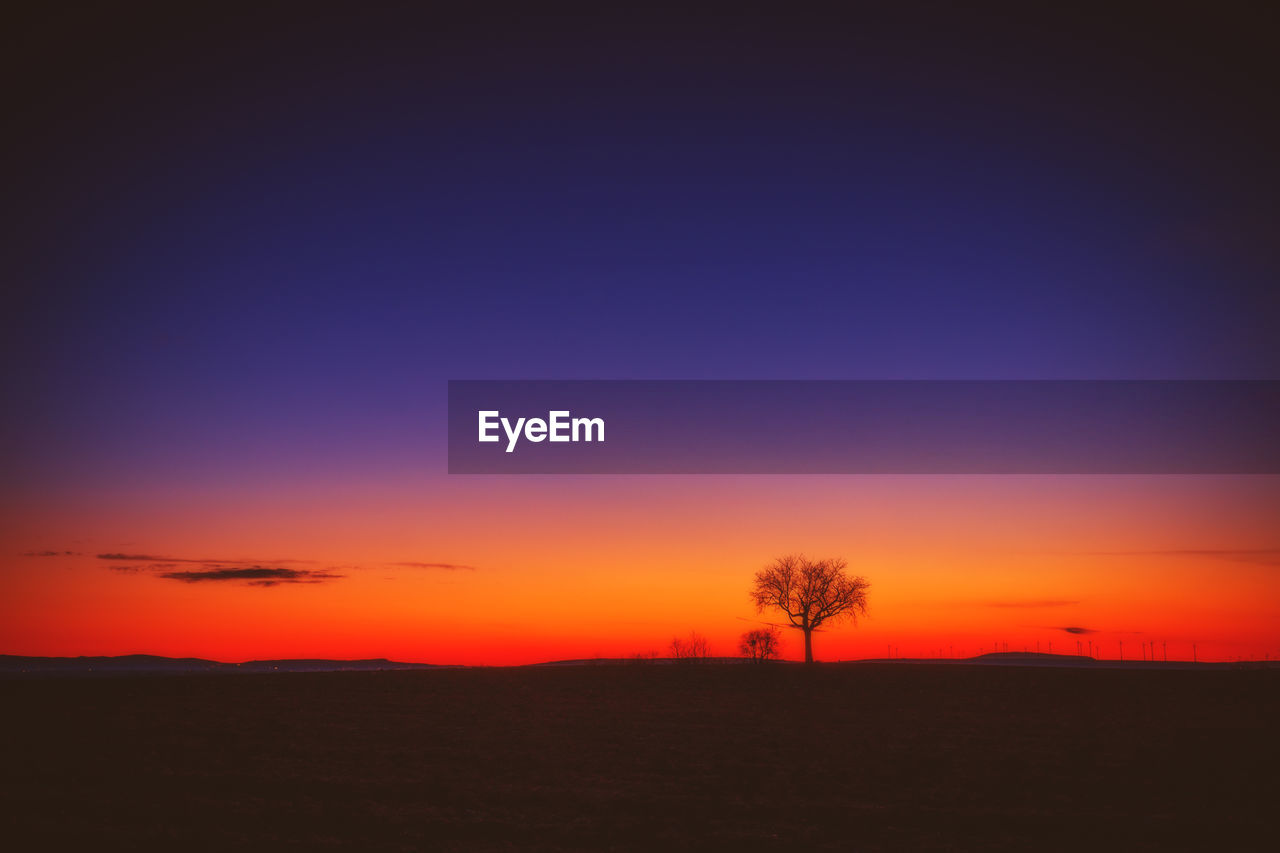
808 645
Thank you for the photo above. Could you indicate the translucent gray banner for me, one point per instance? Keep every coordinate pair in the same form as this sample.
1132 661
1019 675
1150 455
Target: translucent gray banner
863 427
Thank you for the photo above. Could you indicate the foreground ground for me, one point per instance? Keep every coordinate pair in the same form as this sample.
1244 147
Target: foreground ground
646 757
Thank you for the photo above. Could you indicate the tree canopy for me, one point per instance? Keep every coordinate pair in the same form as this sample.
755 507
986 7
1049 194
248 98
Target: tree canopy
810 593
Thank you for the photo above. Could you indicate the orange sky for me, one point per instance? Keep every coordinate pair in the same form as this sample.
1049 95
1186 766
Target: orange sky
569 567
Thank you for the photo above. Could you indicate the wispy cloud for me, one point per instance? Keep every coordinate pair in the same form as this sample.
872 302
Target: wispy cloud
133 557
253 575
150 558
1261 556
261 573
258 572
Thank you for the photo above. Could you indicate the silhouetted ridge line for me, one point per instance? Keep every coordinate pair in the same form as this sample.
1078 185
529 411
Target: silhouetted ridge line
155 664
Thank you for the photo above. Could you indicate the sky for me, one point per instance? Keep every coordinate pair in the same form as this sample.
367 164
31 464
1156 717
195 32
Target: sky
246 249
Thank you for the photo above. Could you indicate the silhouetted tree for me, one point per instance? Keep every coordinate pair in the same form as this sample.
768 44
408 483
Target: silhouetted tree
691 648
760 644
810 593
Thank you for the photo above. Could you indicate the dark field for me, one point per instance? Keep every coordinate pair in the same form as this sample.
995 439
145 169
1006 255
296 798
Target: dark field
647 757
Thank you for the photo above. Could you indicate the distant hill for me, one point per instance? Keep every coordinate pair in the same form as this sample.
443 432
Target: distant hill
19 665
1045 659
645 661
154 664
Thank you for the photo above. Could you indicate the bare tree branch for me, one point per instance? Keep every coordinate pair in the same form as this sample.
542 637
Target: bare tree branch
810 593
760 644
690 649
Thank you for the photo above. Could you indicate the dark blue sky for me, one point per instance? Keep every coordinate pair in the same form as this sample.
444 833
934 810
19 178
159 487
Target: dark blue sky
264 232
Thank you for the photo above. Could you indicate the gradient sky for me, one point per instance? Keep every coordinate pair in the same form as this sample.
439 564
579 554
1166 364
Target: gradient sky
244 252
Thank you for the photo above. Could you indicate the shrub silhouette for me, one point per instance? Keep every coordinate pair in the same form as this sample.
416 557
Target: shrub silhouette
691 648
760 644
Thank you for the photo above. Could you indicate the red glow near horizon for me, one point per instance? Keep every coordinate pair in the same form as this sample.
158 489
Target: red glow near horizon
561 568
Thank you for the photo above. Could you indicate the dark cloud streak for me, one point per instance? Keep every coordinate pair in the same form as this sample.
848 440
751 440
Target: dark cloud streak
149 558
1260 556
254 575
249 572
